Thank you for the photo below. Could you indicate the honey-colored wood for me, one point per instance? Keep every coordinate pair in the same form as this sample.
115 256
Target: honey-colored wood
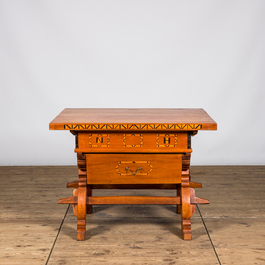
186 210
135 186
70 200
133 148
133 120
133 168
82 195
178 210
186 162
74 201
159 142
195 184
72 184
133 200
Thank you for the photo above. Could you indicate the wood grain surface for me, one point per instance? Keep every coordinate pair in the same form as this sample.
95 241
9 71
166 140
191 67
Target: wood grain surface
136 119
133 147
231 229
160 142
155 169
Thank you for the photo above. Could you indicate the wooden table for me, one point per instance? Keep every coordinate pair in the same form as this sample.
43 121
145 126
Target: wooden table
133 149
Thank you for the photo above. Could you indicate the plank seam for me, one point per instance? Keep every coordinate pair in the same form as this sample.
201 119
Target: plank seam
57 235
209 236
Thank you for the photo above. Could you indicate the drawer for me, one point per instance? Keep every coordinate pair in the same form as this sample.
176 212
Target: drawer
133 168
158 142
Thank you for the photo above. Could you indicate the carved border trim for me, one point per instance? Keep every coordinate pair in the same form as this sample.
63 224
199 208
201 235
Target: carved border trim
132 126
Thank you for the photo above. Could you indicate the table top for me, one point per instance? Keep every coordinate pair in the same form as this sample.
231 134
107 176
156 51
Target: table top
133 119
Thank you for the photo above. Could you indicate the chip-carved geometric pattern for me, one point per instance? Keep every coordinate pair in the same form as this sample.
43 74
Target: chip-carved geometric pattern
177 126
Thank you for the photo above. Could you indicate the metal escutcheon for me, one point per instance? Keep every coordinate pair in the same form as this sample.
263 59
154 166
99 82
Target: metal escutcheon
133 173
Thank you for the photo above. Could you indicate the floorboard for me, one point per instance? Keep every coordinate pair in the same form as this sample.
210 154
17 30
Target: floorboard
230 230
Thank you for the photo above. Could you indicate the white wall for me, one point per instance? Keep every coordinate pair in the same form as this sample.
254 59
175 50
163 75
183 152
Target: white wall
137 53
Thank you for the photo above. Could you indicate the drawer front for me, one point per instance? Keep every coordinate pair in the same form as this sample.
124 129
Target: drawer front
134 168
132 142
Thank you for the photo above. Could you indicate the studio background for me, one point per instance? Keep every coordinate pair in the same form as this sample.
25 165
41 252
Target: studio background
132 54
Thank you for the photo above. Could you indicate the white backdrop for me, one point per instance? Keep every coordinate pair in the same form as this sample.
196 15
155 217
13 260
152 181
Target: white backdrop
136 53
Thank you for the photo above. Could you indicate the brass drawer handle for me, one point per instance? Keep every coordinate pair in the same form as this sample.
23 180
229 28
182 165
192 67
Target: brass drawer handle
133 173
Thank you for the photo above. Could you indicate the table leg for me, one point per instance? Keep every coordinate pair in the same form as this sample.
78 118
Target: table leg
82 195
81 214
89 193
185 208
185 171
179 195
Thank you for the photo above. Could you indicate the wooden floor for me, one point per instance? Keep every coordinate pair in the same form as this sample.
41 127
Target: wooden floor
34 229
